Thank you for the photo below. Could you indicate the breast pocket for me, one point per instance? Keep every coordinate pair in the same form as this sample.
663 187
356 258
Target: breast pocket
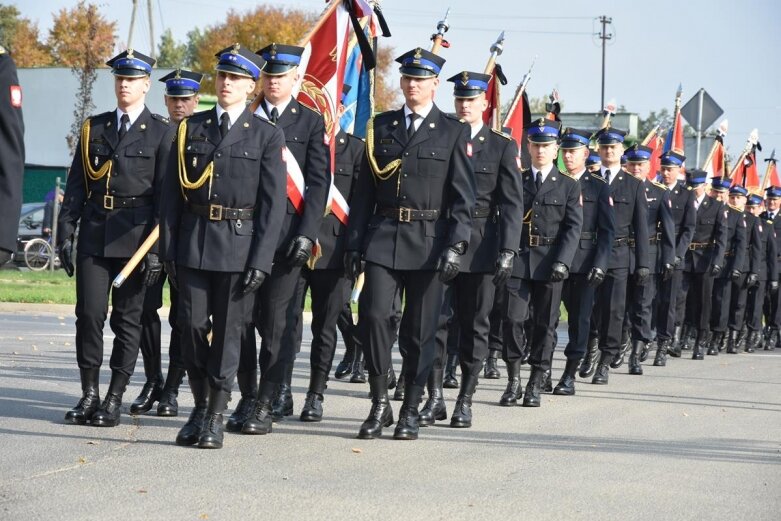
99 153
244 161
196 156
432 161
485 174
140 158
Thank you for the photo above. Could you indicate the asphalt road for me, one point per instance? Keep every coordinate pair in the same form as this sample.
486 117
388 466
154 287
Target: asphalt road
694 440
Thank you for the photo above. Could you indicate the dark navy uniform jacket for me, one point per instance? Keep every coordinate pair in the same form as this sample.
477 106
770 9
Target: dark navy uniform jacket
139 162
684 217
737 240
249 172
753 246
498 184
777 230
766 263
661 227
434 174
711 230
598 230
305 134
552 225
631 216
347 165
11 151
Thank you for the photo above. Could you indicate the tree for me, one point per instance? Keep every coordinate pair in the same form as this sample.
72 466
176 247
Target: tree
386 95
9 18
71 36
645 125
84 52
169 53
194 42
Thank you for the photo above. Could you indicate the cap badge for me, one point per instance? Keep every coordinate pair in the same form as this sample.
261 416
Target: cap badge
464 78
236 48
130 53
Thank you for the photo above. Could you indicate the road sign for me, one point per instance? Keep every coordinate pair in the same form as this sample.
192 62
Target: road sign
701 101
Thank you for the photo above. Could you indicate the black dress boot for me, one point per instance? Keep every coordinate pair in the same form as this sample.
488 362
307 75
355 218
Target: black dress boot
248 386
191 431
688 334
513 391
534 388
547 382
618 360
434 408
589 361
450 379
732 342
398 394
462 412
313 405
646 350
566 385
358 371
772 339
168 405
698 353
261 419
152 389
723 343
751 339
381 414
634 357
283 401
660 360
491 371
714 343
345 367
407 427
674 347
212 435
391 377
603 370
90 398
109 412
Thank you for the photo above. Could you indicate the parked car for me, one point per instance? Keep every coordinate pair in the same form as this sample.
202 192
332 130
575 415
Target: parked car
30 227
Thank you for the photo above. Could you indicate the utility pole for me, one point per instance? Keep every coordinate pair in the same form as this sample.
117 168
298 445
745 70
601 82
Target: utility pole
132 23
604 36
151 29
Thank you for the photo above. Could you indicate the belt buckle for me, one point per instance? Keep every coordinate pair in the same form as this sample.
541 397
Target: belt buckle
108 202
215 212
534 240
405 215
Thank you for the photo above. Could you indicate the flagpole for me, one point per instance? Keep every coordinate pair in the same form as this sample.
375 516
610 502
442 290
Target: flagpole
519 91
439 37
496 49
652 134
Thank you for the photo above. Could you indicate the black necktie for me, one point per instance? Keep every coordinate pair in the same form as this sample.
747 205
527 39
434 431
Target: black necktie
538 181
411 128
607 176
274 116
122 130
225 122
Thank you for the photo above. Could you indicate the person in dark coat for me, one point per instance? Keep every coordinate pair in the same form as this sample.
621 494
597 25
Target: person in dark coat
225 196
12 152
411 225
496 230
113 193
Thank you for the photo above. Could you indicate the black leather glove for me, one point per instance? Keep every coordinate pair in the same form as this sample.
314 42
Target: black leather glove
595 277
151 269
252 280
352 264
715 270
752 280
299 251
677 262
667 271
66 256
735 275
774 286
5 256
450 261
558 272
170 270
504 267
642 274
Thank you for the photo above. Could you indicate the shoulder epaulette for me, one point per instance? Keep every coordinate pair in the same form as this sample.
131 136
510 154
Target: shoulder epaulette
500 133
660 185
451 116
735 208
568 175
263 119
161 118
597 177
310 108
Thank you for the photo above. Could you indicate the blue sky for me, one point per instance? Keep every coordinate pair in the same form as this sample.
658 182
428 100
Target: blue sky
730 48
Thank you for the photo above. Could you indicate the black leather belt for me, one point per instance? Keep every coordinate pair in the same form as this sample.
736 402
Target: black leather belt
618 241
588 236
700 245
110 202
656 238
216 212
730 253
539 240
479 213
405 215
